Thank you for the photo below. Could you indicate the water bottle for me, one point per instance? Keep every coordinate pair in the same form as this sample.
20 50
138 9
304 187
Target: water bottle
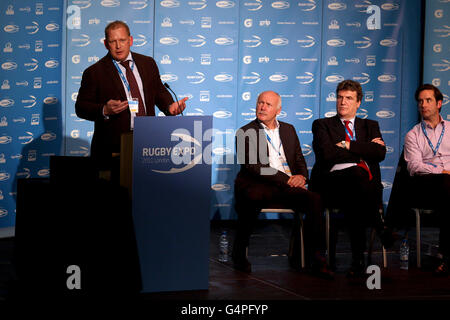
404 254
223 247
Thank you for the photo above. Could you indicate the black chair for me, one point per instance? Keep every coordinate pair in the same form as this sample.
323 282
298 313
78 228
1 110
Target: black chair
401 205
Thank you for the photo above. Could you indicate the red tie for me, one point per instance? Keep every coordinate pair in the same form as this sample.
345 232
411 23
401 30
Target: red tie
134 87
348 137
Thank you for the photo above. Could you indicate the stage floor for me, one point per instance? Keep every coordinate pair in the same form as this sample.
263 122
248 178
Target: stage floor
273 280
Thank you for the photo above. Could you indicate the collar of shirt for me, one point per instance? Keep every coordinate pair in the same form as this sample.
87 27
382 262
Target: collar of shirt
351 124
441 121
129 57
267 128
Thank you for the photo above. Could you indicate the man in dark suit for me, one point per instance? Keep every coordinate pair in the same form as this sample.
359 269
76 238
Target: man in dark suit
117 88
273 171
346 173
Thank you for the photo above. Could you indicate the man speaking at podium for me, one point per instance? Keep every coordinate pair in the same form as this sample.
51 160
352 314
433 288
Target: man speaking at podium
116 89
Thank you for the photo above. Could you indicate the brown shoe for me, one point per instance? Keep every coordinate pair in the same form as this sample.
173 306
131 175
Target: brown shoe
441 270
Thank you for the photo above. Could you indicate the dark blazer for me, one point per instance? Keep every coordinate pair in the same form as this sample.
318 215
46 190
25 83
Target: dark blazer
327 132
250 139
100 83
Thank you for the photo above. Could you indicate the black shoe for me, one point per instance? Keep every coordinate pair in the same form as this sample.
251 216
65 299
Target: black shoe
357 270
387 237
242 264
320 269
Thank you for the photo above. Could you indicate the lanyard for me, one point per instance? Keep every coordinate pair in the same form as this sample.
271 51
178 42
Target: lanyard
270 141
124 79
434 149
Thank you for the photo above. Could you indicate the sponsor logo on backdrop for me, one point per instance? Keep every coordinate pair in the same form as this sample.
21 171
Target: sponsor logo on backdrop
308 42
139 5
6 103
306 150
52 27
225 4
280 5
336 43
224 41
198 5
309 5
278 77
169 77
196 79
387 78
10 65
279 42
169 41
170 3
11 28
253 43
306 79
364 78
110 3
221 187
337 6
223 77
254 78
306 114
253 5
385 114
362 113
334 78
390 6
139 40
389 42
200 41
83 41
33 28
443 66
363 44
222 114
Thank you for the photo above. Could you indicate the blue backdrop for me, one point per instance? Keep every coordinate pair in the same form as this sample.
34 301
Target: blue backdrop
220 54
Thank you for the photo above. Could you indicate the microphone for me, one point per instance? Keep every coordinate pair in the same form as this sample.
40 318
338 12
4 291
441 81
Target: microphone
176 99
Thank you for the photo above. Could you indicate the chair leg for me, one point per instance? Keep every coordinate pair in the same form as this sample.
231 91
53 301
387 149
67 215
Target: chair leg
418 240
370 249
302 244
327 233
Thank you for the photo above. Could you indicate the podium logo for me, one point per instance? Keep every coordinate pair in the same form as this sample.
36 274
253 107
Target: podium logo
279 42
337 6
278 78
48 136
222 114
169 77
223 77
385 114
253 5
335 78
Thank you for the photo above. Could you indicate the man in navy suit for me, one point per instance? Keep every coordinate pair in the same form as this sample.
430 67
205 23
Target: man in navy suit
273 171
106 94
346 173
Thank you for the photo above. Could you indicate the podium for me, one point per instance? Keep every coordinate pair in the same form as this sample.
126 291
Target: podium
171 188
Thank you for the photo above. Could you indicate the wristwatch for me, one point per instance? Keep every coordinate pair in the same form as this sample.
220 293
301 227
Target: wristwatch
343 144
